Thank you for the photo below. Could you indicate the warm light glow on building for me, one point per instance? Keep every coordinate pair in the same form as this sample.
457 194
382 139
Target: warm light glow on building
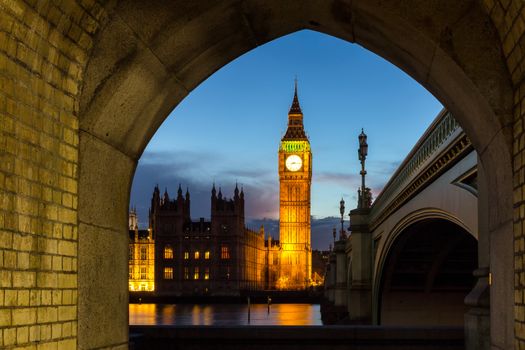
168 273
196 273
197 255
186 255
282 283
207 255
225 253
141 261
295 177
168 252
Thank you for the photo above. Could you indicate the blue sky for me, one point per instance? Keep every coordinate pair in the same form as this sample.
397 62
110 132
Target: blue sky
228 129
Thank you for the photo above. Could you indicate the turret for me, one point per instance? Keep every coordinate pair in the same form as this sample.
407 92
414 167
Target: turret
133 220
228 212
155 199
213 198
187 204
236 193
179 193
166 198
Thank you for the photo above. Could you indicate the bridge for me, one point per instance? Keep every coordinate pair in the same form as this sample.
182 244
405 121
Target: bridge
418 244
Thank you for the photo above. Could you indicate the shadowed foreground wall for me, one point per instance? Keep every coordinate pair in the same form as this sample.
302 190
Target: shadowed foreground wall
44 47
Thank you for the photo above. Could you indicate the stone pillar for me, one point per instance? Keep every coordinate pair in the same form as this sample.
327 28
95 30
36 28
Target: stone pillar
477 319
360 287
340 289
331 278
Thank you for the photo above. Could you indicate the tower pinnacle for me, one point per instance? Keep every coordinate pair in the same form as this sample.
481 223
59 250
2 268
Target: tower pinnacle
296 107
295 130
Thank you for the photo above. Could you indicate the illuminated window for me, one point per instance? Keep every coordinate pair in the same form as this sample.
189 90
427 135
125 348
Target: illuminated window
130 276
130 252
142 273
197 255
186 273
225 253
168 252
143 253
207 255
196 273
207 273
186 255
168 273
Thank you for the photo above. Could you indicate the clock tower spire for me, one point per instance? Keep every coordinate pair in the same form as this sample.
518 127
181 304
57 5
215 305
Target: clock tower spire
295 177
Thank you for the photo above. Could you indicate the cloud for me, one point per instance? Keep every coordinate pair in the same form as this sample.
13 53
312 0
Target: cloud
343 179
168 169
383 167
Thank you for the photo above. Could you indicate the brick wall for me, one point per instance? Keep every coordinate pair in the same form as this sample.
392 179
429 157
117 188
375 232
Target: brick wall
509 18
43 49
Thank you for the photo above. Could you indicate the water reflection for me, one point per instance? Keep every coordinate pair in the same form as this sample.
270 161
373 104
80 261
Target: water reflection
224 314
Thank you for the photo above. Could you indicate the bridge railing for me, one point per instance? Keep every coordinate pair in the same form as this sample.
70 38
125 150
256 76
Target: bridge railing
443 131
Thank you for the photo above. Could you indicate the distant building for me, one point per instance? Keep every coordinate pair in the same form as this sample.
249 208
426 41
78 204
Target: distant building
141 258
216 257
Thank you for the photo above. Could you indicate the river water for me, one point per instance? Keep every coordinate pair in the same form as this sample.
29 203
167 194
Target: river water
224 314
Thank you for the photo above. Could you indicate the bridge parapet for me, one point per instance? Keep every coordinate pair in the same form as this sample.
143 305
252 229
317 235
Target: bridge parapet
440 146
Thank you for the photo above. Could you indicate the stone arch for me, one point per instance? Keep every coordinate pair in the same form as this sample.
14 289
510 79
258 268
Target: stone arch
442 256
409 220
147 57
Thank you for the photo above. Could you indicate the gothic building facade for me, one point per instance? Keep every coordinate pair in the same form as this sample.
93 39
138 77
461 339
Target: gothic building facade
141 259
216 257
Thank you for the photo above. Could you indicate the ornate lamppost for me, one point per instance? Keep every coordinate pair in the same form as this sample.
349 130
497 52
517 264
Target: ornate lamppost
342 234
334 234
363 152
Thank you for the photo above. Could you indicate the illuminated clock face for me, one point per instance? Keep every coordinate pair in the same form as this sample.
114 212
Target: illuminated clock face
294 162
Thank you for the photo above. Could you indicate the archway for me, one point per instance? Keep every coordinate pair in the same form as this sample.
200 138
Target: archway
429 263
148 57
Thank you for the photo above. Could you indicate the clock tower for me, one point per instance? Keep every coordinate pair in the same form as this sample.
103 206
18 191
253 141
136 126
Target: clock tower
295 177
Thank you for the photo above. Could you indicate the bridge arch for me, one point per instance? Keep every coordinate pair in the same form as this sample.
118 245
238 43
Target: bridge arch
405 234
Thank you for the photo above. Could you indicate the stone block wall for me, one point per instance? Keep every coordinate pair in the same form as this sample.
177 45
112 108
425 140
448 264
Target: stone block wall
509 18
44 46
